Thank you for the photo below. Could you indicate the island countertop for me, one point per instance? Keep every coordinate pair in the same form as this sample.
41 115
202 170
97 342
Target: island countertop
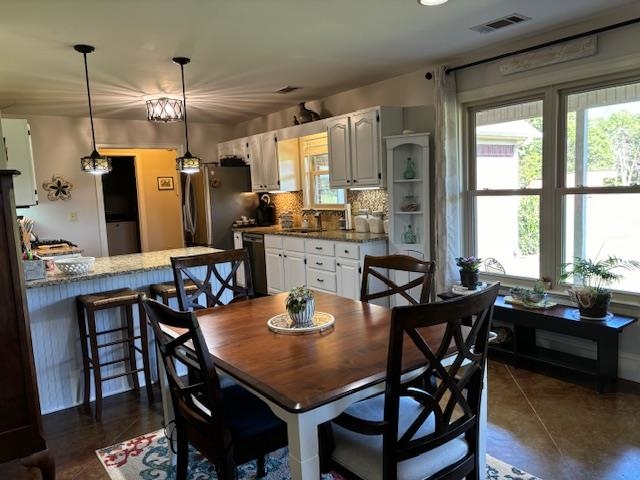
335 235
118 265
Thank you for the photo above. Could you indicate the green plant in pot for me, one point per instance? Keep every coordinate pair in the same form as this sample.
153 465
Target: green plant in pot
591 276
301 306
469 268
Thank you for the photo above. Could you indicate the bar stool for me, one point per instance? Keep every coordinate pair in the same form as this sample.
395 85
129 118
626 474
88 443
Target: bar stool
125 298
167 290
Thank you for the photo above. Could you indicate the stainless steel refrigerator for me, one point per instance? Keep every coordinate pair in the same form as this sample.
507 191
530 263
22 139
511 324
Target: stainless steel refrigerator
212 200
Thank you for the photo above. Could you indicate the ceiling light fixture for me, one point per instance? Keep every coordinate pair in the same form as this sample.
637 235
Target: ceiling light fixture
187 163
431 3
94 163
164 109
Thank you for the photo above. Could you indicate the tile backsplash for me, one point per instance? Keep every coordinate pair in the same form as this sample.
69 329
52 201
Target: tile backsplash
373 200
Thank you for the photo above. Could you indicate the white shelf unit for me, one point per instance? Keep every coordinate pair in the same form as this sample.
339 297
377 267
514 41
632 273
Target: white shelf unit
399 149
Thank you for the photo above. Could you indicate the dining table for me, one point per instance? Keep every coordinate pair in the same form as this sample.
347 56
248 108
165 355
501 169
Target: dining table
308 379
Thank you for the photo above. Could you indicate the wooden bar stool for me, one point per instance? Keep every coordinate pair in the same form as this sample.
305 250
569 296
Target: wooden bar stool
166 290
125 298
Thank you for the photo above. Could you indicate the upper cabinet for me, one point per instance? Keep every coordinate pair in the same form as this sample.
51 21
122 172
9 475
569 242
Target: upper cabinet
17 145
356 153
233 148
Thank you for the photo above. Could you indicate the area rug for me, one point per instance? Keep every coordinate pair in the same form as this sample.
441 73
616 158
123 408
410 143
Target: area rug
147 457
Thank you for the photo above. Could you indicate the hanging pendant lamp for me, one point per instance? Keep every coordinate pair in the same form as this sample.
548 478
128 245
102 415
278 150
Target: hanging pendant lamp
94 163
187 163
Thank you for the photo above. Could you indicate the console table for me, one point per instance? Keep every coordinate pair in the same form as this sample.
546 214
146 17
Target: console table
561 319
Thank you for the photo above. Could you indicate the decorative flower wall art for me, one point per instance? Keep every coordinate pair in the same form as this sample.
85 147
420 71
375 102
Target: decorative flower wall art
58 188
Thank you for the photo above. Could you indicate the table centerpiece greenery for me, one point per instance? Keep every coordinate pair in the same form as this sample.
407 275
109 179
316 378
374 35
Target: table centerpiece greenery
301 306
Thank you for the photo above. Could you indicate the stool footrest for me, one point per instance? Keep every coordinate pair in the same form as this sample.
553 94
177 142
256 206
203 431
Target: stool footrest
116 342
104 332
126 372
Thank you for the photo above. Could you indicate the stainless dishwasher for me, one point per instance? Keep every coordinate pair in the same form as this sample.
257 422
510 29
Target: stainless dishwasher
254 243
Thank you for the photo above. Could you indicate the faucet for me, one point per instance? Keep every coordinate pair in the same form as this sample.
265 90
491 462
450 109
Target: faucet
318 218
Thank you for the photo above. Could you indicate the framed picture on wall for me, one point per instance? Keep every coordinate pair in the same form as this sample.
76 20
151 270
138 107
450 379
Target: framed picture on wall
165 183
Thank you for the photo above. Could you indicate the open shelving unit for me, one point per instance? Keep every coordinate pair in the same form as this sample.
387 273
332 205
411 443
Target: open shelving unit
399 149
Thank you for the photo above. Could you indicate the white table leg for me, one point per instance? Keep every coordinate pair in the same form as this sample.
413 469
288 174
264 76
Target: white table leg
304 459
482 441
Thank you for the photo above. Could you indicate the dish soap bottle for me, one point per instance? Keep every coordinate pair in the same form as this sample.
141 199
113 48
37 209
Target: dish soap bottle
409 236
410 171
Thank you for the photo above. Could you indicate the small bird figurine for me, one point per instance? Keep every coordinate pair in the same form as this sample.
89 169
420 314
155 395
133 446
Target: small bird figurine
306 115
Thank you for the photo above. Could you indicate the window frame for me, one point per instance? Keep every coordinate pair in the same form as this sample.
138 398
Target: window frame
554 190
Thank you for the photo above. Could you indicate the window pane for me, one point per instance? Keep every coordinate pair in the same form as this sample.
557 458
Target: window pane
508 230
603 137
597 226
508 145
322 193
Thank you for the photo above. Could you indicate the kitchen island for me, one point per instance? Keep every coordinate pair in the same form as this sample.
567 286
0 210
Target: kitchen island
54 328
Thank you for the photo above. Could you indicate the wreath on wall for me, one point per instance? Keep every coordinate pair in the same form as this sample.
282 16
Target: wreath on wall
58 188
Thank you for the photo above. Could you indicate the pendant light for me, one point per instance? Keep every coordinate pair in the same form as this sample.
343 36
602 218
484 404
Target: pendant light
94 163
187 163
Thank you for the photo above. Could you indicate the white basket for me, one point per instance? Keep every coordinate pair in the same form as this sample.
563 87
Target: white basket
75 265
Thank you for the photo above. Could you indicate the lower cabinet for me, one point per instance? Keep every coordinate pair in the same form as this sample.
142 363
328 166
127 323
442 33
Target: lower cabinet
285 262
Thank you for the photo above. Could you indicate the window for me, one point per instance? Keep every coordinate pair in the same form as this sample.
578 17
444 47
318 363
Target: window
317 192
602 176
506 185
534 203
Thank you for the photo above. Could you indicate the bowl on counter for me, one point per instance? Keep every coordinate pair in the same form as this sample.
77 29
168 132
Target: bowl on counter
75 265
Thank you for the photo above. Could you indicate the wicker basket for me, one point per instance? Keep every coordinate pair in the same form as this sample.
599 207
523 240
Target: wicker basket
75 265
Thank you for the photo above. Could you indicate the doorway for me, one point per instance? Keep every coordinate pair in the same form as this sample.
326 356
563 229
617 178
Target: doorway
157 202
120 195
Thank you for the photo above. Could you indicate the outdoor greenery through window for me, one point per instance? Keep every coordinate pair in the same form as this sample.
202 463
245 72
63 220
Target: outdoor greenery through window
602 176
586 203
506 186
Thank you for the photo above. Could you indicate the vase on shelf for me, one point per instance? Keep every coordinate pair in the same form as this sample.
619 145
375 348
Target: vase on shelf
410 170
409 236
409 204
469 279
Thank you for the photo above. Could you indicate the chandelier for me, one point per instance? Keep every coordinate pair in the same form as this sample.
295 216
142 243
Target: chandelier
164 109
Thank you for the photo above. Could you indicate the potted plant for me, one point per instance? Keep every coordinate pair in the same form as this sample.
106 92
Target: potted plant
591 276
301 307
469 267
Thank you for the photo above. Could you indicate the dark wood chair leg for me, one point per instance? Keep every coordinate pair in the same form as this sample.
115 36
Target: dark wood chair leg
85 354
144 343
128 317
43 461
182 459
95 362
261 470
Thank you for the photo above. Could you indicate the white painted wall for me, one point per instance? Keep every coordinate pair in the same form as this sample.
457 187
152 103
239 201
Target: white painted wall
60 142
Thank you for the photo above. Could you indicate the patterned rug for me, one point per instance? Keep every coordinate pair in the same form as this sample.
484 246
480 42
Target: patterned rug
147 457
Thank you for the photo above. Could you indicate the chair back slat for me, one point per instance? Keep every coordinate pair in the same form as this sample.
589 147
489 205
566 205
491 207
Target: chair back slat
380 278
454 401
215 277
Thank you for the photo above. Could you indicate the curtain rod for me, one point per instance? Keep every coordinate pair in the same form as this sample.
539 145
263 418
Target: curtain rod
429 75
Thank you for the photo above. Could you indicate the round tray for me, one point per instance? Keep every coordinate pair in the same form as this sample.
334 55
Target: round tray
282 324
576 314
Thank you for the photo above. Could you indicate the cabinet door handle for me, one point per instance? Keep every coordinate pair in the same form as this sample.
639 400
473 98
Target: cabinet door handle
285 256
319 263
320 280
319 248
346 251
338 264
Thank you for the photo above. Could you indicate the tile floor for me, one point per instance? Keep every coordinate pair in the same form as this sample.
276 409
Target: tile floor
551 428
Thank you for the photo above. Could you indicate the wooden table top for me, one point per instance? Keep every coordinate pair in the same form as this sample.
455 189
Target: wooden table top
302 372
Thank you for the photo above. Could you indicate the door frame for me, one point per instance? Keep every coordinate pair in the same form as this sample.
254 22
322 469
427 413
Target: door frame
102 223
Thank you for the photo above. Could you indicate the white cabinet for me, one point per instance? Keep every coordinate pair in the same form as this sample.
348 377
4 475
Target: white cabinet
233 148
321 265
285 262
409 210
17 145
356 155
273 166
349 262
237 243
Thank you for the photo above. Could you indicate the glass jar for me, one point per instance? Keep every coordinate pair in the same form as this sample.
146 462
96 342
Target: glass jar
409 236
410 170
409 204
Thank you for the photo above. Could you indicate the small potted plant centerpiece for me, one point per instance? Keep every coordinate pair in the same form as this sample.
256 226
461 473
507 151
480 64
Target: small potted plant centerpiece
301 307
469 267
590 277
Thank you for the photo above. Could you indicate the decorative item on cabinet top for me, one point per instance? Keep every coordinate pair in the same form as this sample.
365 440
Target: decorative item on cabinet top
305 115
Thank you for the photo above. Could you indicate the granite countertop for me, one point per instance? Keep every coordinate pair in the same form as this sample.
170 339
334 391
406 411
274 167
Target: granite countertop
335 235
119 265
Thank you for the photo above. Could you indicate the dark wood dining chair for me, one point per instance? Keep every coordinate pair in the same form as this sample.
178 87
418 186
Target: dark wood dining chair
229 426
409 432
214 276
381 278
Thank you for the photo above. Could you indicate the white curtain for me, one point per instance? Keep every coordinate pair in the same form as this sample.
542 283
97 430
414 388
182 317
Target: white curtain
448 185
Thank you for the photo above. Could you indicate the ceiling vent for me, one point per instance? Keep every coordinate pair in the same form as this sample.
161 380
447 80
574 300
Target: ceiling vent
498 23
287 89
